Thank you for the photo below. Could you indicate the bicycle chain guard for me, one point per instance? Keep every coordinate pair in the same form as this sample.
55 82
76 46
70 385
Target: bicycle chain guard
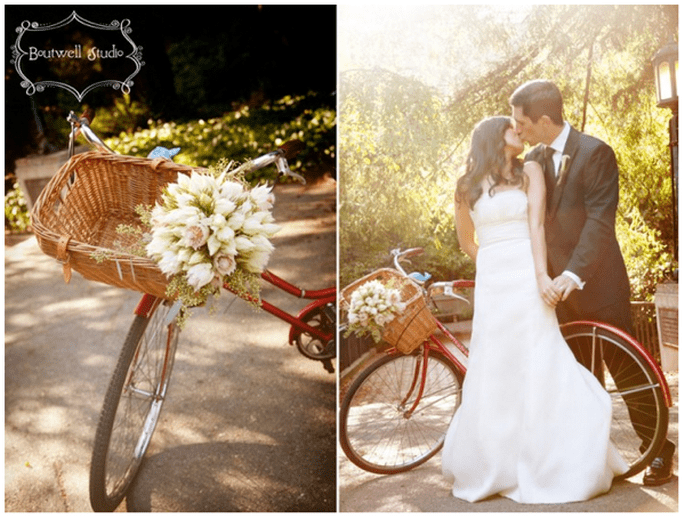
321 318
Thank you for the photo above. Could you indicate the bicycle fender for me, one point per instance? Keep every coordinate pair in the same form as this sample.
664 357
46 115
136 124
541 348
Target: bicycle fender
146 305
639 348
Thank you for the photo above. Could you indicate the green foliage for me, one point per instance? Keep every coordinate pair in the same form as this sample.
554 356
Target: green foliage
16 211
240 135
393 193
644 253
124 116
402 143
243 134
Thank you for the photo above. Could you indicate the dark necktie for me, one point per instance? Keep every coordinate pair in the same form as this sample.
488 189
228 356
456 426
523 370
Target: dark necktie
549 162
550 174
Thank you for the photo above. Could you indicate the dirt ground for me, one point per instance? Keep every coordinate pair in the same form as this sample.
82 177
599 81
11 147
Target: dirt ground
249 424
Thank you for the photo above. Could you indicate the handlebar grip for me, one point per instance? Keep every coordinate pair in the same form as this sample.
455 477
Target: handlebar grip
464 283
417 251
292 148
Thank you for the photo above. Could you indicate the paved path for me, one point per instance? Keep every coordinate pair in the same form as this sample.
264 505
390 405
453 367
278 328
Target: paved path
424 489
249 424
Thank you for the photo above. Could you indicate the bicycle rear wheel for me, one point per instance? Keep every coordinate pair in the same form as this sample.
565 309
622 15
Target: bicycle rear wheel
377 431
640 415
132 405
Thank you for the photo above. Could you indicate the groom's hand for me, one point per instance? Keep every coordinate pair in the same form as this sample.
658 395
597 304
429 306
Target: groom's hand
565 285
550 294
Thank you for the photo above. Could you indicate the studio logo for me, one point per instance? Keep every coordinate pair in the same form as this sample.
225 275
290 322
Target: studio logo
76 55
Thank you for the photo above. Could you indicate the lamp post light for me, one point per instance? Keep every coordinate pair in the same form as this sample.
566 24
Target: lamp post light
665 63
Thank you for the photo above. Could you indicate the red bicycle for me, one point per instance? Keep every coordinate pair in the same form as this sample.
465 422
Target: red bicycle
396 412
138 387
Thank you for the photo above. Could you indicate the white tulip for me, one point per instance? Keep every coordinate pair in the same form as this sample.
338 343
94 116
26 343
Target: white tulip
213 244
263 197
246 207
184 255
169 263
244 245
199 275
224 206
226 235
256 261
184 199
160 243
197 257
236 221
231 190
262 243
182 181
200 183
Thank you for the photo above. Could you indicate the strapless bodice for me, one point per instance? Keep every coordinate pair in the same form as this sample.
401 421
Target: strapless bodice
501 217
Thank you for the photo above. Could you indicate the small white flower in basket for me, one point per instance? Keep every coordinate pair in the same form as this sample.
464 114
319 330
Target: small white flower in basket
372 306
210 230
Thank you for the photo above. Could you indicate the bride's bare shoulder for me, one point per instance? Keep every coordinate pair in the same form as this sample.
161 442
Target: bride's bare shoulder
533 174
533 170
532 167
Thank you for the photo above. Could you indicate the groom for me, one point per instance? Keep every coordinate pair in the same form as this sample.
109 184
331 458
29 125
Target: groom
581 175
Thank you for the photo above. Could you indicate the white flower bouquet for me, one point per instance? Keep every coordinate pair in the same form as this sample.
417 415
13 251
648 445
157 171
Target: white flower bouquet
372 306
209 230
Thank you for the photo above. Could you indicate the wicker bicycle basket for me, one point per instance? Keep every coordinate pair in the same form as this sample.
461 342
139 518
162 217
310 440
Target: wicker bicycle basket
410 329
76 216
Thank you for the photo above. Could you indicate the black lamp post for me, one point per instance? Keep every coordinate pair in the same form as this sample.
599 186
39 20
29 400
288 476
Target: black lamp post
665 64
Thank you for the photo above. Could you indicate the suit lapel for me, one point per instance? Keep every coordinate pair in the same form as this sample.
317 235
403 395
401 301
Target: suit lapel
559 183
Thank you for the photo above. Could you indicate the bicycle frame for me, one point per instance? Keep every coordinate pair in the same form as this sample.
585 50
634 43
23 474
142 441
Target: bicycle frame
420 371
321 298
437 345
148 303
634 382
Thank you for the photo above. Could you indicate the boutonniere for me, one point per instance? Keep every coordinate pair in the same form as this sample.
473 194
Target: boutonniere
563 169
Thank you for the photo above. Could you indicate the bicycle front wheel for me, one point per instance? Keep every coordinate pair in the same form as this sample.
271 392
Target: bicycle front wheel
639 412
132 405
379 432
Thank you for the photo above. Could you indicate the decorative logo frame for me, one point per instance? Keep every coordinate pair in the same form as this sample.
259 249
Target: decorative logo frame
18 54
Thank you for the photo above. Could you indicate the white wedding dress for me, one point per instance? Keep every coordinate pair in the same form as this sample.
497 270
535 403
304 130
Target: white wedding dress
533 424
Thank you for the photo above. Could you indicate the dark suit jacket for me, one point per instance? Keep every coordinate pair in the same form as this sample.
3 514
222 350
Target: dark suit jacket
580 228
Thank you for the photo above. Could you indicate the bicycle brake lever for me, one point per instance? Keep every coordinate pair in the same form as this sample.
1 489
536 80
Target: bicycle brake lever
284 169
80 125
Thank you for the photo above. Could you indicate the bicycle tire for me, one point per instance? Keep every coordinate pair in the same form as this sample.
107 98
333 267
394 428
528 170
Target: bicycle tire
375 433
131 407
634 389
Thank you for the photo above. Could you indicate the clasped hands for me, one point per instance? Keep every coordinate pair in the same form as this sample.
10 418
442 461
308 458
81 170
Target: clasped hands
553 291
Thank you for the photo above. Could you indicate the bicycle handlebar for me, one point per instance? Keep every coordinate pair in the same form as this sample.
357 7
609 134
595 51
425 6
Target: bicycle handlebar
399 255
445 287
80 125
278 158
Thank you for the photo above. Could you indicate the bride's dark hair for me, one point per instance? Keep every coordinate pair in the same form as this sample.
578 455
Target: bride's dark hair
486 158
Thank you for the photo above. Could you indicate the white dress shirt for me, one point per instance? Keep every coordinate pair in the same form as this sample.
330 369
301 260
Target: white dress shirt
558 146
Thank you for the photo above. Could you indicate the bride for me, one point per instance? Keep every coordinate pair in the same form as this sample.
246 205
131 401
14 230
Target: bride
533 424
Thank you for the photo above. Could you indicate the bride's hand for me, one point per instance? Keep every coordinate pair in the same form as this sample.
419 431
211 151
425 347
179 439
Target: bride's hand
548 291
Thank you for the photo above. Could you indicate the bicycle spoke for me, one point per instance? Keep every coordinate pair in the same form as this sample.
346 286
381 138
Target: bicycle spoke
639 414
380 434
132 407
